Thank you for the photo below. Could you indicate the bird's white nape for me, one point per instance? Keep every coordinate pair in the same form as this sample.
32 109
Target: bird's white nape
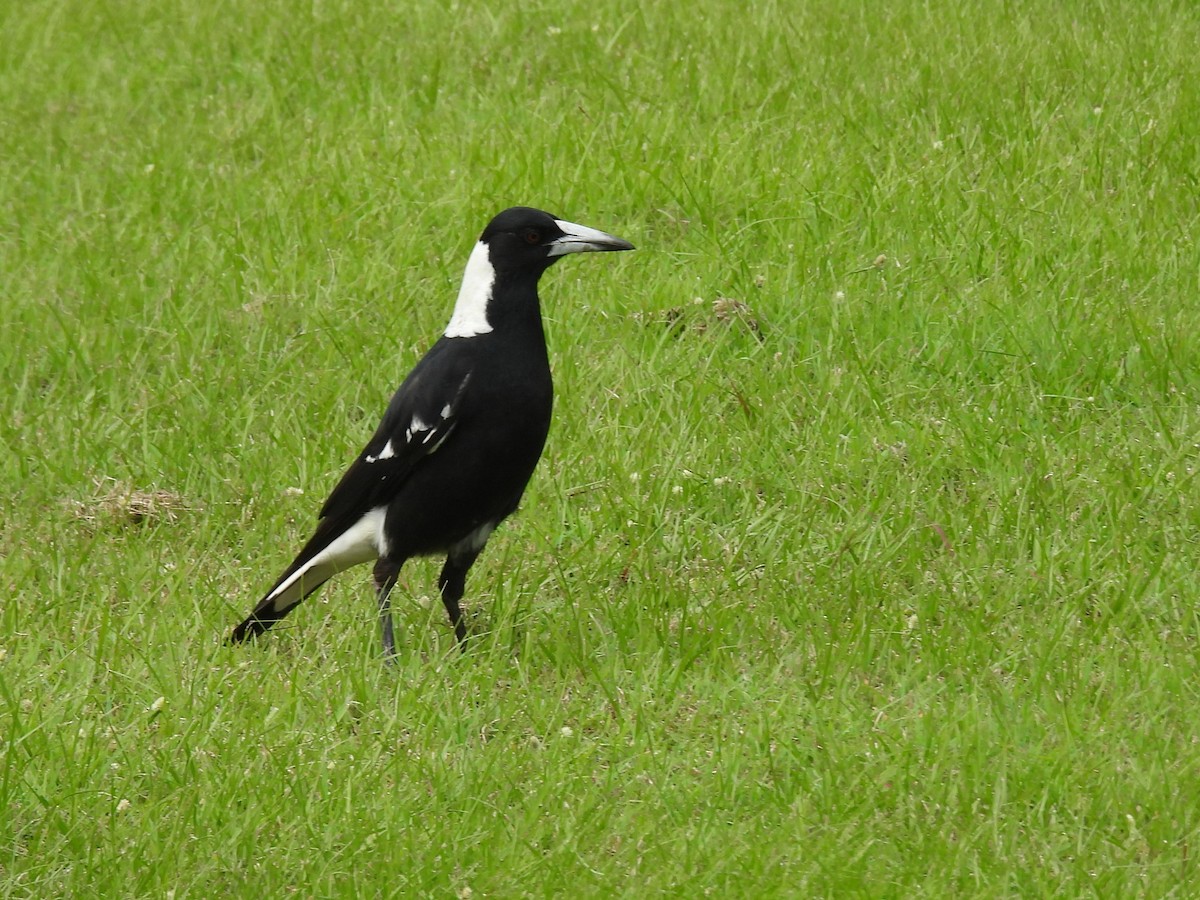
470 310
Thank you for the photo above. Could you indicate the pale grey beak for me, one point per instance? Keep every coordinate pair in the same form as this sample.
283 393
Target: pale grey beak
581 239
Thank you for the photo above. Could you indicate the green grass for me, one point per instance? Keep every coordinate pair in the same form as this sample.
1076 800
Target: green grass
882 583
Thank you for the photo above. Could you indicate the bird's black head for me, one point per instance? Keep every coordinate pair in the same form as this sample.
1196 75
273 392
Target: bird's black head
500 281
521 238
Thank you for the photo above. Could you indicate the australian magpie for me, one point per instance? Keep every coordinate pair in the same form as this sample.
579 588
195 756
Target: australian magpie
460 437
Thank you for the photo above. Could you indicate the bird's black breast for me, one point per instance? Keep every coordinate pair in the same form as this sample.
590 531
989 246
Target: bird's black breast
477 476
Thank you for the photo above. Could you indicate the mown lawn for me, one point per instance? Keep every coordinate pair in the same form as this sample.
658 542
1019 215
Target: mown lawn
862 560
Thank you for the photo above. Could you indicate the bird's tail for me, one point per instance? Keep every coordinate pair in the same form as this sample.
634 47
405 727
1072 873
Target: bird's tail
287 593
333 548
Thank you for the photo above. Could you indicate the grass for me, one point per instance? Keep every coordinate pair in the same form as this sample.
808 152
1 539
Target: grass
862 558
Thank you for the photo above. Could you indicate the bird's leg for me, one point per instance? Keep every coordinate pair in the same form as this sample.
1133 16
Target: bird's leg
386 572
453 583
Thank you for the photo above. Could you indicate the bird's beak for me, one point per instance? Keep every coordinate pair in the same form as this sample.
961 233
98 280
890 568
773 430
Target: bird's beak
581 239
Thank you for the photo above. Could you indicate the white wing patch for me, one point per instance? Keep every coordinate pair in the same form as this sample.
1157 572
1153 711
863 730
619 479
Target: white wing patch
417 426
387 452
440 440
437 432
470 310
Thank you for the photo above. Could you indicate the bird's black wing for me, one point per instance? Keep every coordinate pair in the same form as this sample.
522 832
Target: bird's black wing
422 414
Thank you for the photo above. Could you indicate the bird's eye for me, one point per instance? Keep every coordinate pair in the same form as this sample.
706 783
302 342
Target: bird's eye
532 236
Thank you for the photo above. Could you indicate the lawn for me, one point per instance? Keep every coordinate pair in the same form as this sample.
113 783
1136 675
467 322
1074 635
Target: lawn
862 558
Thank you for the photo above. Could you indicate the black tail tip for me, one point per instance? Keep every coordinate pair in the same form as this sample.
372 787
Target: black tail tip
251 628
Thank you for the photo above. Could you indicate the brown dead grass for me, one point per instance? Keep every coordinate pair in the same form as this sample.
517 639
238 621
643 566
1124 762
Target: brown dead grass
120 503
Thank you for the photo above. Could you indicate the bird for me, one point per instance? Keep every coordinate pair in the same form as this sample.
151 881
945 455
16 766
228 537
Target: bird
459 440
